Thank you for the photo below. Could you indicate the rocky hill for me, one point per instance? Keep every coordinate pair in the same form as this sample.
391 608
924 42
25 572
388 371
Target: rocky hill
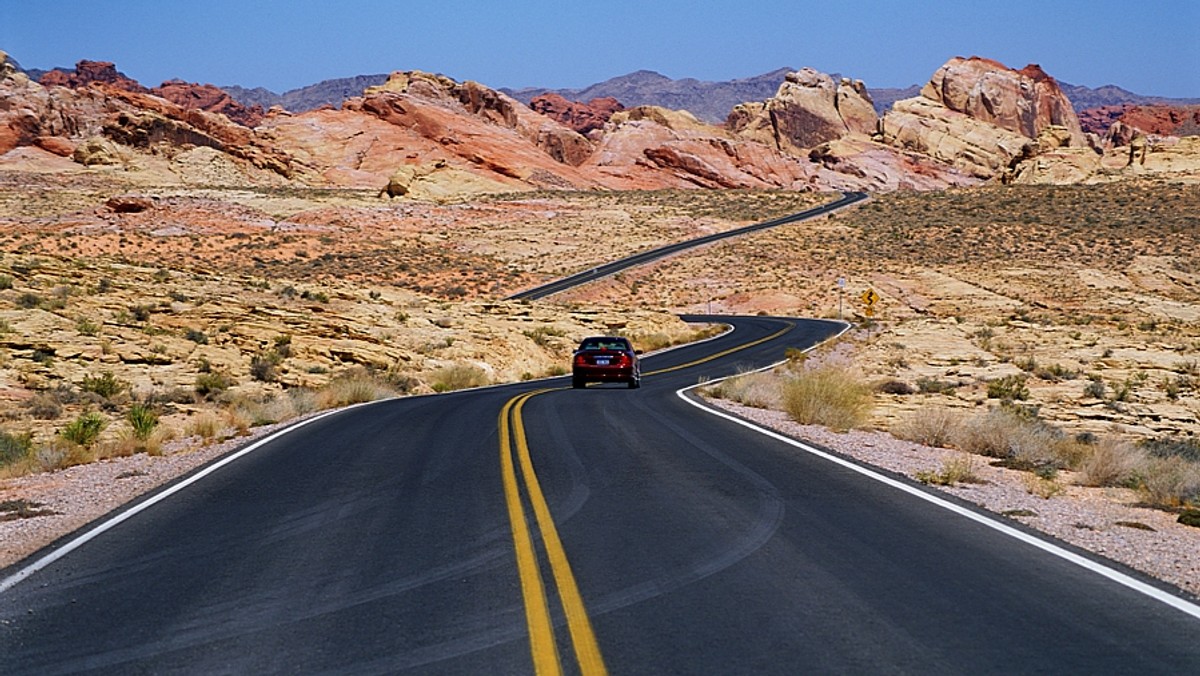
708 101
325 93
419 135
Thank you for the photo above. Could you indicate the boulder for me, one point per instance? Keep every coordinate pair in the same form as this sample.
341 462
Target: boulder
809 109
982 117
581 117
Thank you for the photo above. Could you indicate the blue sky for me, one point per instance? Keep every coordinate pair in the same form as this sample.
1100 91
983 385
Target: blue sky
1151 47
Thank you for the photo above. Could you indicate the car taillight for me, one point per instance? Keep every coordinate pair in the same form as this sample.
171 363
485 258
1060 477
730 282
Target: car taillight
580 361
622 359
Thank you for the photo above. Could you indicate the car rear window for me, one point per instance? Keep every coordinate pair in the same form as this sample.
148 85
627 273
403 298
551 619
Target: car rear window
605 344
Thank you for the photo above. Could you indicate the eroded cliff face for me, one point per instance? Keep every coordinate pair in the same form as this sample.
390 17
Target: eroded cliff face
809 109
981 116
426 136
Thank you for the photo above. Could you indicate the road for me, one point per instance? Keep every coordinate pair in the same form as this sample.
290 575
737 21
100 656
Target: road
602 271
533 528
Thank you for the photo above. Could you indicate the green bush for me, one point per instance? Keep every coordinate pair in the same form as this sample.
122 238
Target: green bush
1008 388
106 385
14 447
142 419
85 429
832 396
264 366
211 383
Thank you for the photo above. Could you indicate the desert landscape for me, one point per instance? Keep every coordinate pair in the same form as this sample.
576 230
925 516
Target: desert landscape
174 276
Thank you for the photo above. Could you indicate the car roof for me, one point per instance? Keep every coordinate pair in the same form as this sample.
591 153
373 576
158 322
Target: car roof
606 341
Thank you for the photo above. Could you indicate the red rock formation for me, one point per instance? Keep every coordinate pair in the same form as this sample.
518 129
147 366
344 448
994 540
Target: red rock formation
87 72
1025 101
210 98
582 117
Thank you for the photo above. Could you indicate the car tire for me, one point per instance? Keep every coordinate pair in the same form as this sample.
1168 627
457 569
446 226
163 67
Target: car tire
578 383
635 383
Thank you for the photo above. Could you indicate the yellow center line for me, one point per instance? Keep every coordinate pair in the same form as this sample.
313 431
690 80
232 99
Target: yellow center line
537 612
718 355
543 647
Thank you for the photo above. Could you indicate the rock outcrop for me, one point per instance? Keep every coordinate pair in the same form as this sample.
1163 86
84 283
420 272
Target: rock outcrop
648 147
808 109
576 115
87 72
209 98
981 116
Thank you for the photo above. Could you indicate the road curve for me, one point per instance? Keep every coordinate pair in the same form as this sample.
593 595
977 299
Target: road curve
386 538
602 271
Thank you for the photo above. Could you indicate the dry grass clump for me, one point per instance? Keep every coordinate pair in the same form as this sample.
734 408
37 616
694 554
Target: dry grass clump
960 469
354 387
830 395
1002 433
932 426
459 377
1111 462
1166 473
757 389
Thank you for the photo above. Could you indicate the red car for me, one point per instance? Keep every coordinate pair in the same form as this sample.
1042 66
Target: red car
607 359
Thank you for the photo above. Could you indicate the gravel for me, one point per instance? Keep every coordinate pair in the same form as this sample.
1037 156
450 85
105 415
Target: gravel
1106 521
1102 520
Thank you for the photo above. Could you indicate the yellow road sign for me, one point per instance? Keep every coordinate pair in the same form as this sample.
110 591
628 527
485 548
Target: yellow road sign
870 297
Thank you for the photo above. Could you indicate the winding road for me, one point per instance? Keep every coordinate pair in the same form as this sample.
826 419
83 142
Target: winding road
534 528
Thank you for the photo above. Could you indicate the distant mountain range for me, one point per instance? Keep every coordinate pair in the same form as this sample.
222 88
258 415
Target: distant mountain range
709 101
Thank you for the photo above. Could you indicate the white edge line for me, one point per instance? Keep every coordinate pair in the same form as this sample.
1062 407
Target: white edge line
109 523
1045 545
84 538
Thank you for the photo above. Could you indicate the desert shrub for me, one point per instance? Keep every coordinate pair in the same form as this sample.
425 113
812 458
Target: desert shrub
44 406
892 386
541 335
141 313
283 345
196 336
827 395
353 387
458 377
760 390
212 383
266 411
1112 462
87 327
934 386
6 282
1001 433
1008 388
961 469
264 366
1174 447
1096 389
14 447
85 429
142 420
932 426
205 425
105 385
1170 482
29 300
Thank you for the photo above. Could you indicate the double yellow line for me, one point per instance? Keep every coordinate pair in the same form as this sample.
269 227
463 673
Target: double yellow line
537 608
514 450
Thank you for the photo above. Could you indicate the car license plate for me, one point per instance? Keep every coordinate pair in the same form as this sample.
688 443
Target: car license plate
602 361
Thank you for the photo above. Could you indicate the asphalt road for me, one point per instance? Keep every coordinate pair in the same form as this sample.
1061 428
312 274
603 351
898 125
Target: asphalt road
531 528
641 258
